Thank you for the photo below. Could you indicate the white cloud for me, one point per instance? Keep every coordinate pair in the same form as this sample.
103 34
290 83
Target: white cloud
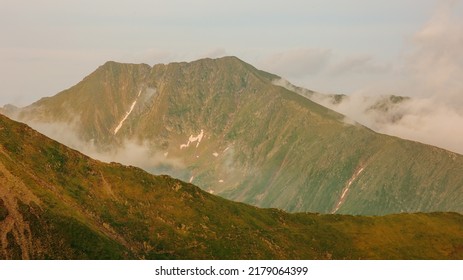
430 72
431 122
434 66
129 152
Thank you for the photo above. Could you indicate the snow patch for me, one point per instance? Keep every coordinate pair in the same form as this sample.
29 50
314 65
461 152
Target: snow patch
127 114
192 139
346 189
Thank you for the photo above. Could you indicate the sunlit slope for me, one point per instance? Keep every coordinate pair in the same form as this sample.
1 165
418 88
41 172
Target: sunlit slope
238 135
57 203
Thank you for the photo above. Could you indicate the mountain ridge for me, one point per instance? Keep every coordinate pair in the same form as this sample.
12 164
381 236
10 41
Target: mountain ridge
56 203
254 141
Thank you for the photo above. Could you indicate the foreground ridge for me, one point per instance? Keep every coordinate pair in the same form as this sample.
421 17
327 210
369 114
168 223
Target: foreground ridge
56 203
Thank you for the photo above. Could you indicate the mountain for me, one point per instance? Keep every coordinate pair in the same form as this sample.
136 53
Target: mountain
227 127
56 203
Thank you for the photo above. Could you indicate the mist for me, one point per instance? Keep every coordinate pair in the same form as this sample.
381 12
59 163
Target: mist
424 119
429 72
129 152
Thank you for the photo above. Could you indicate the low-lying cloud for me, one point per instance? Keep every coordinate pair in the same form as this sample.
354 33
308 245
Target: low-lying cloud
421 119
130 152
430 71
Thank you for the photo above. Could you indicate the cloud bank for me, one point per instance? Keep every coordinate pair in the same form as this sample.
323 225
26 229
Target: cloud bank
430 71
130 152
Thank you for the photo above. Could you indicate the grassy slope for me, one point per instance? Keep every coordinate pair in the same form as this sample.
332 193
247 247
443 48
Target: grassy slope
276 148
57 203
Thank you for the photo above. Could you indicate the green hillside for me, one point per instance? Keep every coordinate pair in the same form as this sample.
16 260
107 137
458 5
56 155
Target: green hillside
56 203
240 136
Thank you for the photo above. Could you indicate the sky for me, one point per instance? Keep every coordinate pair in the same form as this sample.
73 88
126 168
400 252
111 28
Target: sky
340 46
354 47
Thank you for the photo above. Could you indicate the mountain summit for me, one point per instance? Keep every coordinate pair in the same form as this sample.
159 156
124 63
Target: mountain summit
227 127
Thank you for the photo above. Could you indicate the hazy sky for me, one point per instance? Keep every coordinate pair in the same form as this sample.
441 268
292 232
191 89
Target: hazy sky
342 46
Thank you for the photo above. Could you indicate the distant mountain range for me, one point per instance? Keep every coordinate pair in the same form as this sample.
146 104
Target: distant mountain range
56 203
237 132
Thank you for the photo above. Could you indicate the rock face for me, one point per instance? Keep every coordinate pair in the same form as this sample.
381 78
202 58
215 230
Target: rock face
228 128
56 203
